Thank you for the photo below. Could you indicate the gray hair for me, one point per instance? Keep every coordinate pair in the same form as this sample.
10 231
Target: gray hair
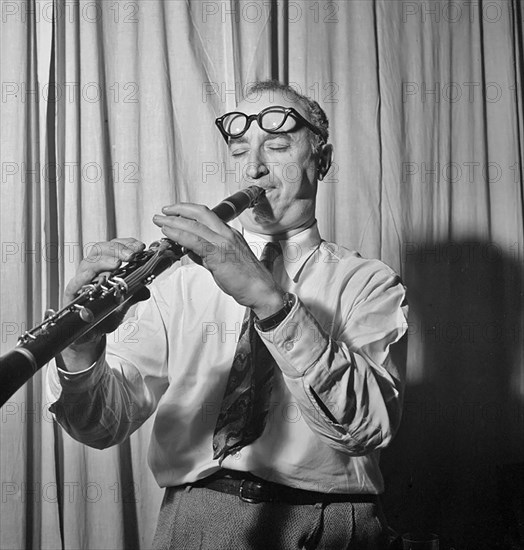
315 113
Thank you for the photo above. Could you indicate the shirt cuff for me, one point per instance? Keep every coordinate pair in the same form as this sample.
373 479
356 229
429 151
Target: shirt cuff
83 380
297 343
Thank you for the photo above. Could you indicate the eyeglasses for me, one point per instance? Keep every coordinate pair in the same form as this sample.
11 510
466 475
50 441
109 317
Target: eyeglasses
274 120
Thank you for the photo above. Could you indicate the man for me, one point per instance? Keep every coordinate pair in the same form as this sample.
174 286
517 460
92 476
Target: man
295 463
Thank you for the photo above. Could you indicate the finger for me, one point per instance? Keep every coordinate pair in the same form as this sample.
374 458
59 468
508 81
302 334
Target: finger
121 249
199 213
189 232
82 278
102 257
91 271
171 228
130 243
99 264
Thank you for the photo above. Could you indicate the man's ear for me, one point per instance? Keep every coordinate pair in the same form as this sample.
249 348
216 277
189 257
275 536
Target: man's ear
325 158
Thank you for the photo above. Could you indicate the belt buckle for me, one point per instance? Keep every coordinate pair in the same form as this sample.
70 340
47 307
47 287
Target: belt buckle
250 500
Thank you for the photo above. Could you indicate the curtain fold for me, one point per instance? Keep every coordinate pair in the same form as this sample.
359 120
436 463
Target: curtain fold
28 477
426 113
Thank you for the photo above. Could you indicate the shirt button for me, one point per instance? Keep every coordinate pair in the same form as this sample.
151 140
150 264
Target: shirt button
289 345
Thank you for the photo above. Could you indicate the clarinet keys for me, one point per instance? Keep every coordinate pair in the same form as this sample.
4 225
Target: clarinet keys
85 313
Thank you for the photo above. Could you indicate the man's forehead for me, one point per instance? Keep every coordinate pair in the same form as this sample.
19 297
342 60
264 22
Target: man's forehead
269 98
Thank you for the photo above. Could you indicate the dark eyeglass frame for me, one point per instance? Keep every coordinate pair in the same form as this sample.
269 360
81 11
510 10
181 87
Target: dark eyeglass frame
287 111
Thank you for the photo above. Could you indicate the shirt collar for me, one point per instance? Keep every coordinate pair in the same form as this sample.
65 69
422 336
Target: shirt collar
295 251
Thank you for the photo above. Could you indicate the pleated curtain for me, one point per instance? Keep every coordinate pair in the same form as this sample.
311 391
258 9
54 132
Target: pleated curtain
107 115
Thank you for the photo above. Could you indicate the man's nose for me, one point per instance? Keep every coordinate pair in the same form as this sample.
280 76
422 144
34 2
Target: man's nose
257 166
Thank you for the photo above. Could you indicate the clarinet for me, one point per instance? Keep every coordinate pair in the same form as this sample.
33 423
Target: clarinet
97 300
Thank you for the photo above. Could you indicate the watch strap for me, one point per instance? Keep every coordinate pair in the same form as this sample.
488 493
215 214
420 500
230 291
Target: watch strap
271 322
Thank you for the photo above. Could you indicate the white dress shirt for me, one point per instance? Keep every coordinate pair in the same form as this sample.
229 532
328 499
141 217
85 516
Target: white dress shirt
336 397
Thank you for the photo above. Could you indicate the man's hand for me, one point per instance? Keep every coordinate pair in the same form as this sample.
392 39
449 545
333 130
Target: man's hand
225 253
102 258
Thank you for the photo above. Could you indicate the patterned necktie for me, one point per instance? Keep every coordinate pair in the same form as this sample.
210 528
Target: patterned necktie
245 403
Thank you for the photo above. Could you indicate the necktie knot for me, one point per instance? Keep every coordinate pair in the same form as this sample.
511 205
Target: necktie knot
272 250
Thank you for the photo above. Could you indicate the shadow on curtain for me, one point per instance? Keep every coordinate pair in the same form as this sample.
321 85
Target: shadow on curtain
463 421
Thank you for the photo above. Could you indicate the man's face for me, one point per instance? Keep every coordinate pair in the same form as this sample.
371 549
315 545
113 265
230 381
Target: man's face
283 164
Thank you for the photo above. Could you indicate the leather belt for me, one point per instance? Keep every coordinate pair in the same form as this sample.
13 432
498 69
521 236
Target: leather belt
253 489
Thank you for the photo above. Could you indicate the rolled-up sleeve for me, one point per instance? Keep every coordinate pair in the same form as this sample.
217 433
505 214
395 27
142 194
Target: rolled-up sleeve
345 380
104 404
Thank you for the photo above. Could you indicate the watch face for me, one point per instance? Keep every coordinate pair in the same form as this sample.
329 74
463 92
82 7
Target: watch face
289 300
274 320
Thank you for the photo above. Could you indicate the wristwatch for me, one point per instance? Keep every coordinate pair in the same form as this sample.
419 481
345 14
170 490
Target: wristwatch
274 320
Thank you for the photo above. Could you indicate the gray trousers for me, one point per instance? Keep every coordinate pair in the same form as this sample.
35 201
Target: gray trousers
198 518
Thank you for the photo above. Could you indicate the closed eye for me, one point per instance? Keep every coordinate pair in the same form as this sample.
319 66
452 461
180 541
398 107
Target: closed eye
278 142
